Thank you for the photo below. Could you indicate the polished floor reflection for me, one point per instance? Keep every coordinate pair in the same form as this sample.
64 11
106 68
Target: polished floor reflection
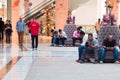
15 64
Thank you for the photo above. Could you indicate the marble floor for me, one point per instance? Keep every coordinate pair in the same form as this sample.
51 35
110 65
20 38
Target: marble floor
50 63
15 64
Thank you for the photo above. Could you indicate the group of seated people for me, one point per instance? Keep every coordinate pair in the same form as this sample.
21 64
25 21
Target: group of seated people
60 35
92 46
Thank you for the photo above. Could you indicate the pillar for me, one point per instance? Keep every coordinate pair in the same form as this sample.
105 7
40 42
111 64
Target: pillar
101 10
9 9
61 13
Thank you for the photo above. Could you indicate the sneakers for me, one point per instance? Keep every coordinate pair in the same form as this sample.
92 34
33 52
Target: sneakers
80 61
95 62
101 62
55 45
117 62
35 48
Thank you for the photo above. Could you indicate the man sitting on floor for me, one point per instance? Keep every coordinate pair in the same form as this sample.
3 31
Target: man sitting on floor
61 36
91 46
54 38
109 44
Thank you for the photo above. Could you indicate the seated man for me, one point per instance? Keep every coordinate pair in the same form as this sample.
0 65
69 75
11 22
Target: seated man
54 37
61 36
90 46
109 44
78 35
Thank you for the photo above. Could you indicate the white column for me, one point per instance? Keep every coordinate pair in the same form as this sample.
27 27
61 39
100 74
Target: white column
101 10
98 8
9 9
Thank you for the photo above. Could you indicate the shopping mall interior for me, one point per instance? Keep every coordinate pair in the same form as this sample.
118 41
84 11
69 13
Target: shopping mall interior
49 62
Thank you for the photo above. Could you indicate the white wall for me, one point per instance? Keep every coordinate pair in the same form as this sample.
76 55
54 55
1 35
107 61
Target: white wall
86 14
101 10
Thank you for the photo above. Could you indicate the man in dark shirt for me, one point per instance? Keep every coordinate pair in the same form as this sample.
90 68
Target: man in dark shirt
109 44
54 41
1 29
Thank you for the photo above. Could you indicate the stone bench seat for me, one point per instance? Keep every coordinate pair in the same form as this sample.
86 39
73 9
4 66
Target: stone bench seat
109 57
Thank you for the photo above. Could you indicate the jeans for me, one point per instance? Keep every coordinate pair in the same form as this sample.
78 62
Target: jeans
55 40
34 41
103 52
52 40
80 50
83 51
8 34
62 39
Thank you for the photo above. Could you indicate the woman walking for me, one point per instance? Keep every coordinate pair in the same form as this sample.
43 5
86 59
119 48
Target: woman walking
8 31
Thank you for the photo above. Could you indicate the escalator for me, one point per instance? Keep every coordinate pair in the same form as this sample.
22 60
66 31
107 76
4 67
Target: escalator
43 12
37 11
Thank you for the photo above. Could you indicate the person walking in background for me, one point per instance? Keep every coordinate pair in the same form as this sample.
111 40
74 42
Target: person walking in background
8 31
1 29
97 26
20 27
34 27
41 28
29 31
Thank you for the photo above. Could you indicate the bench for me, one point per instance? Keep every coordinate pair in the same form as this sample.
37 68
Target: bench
109 57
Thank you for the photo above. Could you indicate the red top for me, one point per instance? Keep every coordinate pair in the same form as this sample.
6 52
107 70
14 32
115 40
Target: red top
34 27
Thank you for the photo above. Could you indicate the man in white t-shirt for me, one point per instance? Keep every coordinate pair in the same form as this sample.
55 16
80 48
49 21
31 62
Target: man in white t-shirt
62 36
